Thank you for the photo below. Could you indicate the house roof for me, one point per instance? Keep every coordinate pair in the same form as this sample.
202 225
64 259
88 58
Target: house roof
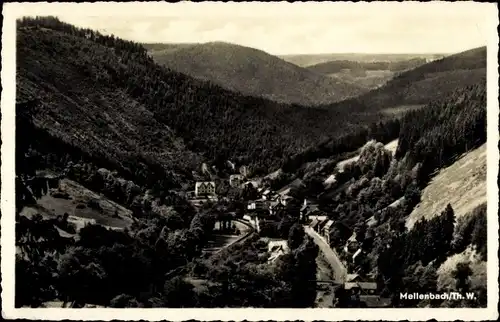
314 223
275 204
328 224
63 233
277 246
361 285
205 183
322 223
356 253
317 217
375 300
351 277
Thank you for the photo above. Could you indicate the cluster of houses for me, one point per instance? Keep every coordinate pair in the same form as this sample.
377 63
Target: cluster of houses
364 292
206 189
323 226
362 289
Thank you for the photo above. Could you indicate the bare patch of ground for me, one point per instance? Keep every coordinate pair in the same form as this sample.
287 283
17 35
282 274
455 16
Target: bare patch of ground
402 109
83 207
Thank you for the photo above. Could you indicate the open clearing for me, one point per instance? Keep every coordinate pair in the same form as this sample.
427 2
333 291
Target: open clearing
400 110
391 146
107 213
462 184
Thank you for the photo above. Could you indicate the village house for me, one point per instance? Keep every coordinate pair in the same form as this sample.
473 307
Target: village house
365 294
321 224
258 205
313 223
352 244
204 189
310 211
326 230
353 278
277 248
276 206
236 180
253 220
361 288
266 194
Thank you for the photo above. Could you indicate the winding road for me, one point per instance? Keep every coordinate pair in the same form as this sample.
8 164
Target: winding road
339 270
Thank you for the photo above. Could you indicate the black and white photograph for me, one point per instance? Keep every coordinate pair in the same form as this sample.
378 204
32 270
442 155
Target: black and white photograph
269 156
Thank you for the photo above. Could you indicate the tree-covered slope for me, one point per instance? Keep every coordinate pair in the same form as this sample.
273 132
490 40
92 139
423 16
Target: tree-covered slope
107 97
253 72
431 81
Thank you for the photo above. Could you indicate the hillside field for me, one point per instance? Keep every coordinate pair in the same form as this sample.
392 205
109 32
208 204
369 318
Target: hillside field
463 185
78 206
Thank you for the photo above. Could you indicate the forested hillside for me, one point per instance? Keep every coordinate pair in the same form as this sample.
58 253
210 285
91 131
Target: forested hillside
106 97
99 111
308 60
252 72
338 65
374 195
429 82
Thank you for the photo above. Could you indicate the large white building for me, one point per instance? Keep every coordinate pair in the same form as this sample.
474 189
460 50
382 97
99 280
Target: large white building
204 189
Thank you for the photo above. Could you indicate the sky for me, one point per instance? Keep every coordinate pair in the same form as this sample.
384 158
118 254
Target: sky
292 28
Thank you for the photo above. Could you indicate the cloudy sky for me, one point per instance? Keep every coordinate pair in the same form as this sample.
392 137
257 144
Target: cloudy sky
296 28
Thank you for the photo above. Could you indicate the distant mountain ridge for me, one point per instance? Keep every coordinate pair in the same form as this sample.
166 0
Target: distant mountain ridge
252 72
308 60
338 65
428 82
107 98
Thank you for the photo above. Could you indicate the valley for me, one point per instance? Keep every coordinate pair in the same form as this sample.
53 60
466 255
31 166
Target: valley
253 72
217 175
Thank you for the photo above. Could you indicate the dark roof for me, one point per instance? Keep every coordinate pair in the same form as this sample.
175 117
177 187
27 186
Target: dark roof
352 277
328 224
205 184
375 300
362 285
322 223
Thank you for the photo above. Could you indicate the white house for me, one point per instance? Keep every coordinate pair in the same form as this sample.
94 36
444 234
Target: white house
204 189
236 180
